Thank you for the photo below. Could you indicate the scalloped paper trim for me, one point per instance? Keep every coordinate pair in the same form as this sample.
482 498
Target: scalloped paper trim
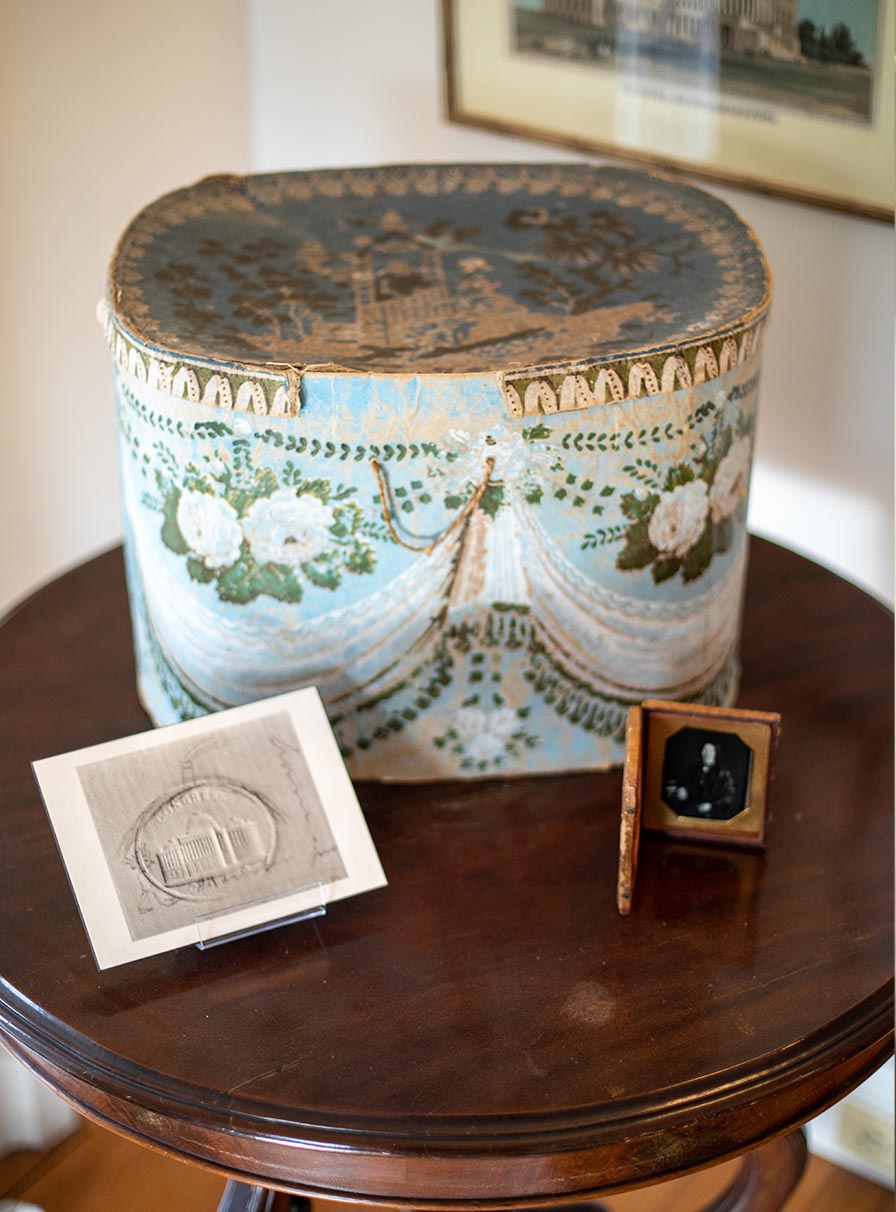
266 392
567 387
570 387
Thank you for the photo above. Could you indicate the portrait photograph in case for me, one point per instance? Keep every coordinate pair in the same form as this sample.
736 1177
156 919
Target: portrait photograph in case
706 771
701 774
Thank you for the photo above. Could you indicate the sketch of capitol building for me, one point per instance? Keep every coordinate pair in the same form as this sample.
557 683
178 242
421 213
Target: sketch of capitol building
748 27
207 849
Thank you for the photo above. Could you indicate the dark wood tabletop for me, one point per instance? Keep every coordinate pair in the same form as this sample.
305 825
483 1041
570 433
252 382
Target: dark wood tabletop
485 1030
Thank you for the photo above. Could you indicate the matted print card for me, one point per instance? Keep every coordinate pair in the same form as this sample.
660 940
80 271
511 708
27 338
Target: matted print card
207 828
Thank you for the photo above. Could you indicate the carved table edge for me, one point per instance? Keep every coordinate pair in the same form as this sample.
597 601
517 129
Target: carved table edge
419 1200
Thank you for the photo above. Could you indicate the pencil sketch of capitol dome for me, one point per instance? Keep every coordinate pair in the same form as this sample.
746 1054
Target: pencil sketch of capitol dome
207 849
206 833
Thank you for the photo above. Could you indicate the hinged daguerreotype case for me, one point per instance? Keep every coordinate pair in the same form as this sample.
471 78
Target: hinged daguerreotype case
466 447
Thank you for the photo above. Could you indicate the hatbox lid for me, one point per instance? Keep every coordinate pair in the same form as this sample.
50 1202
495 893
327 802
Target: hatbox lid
450 269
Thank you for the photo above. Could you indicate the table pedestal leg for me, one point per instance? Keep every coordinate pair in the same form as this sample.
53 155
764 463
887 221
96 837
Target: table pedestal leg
766 1178
240 1197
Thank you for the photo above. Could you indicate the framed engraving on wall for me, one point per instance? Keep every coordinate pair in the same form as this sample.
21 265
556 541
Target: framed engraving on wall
208 829
790 97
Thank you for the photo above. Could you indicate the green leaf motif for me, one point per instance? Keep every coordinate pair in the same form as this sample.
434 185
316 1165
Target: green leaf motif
318 488
360 559
536 433
215 429
492 500
246 580
198 571
263 485
638 551
235 584
194 482
678 475
171 536
696 561
328 578
638 508
665 568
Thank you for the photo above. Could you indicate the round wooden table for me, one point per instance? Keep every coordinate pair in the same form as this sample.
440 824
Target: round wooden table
486 1031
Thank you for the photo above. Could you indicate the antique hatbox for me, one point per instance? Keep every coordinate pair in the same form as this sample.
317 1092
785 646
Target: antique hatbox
466 447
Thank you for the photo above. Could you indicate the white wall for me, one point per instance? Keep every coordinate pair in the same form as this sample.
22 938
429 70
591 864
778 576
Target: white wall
103 106
339 82
824 479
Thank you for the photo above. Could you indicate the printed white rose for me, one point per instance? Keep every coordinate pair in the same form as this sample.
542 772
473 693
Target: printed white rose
286 529
679 518
210 528
484 734
517 462
732 480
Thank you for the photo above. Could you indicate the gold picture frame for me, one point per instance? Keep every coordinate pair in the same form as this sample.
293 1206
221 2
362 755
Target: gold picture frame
695 773
800 128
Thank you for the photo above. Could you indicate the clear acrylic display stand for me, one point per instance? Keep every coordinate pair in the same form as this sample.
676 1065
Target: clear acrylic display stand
205 921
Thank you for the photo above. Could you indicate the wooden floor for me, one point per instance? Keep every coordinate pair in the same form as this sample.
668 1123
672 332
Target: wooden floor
97 1171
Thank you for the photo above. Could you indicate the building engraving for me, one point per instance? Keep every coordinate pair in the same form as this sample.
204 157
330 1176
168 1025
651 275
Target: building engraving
207 850
746 27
